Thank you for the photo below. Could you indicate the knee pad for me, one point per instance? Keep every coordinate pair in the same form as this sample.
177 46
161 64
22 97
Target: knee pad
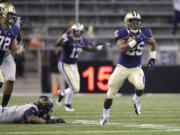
76 89
112 90
139 86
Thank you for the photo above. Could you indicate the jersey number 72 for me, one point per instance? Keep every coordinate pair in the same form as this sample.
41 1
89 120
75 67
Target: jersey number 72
4 42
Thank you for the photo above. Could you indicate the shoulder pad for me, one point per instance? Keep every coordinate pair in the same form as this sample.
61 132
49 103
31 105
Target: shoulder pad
31 111
15 29
34 111
85 41
146 32
121 33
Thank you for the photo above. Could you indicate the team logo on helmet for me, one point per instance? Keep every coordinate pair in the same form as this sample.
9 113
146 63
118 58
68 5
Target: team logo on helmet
7 13
77 31
132 21
43 101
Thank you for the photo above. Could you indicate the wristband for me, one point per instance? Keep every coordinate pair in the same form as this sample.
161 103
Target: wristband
132 43
64 35
153 54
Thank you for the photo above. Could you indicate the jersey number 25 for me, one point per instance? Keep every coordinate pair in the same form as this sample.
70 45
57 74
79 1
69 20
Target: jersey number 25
136 51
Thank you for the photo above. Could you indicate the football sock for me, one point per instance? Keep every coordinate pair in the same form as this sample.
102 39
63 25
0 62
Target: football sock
135 97
106 113
5 100
69 94
67 91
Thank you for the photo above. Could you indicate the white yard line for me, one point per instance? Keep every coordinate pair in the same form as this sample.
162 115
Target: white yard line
151 126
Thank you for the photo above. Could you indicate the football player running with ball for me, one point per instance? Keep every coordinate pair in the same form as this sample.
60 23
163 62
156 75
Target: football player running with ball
131 40
72 45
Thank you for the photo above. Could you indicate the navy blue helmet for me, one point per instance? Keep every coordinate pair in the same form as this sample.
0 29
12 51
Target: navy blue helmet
44 104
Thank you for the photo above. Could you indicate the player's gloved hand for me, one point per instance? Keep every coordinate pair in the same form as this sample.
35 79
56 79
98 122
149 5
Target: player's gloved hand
21 48
151 64
46 117
100 47
51 121
139 38
60 120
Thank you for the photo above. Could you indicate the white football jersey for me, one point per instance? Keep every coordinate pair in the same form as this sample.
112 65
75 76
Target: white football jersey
14 114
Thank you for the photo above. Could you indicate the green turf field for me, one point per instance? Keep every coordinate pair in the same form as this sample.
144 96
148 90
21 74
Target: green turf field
160 116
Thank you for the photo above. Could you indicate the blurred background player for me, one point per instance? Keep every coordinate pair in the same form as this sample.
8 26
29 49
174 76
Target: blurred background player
130 42
9 47
57 78
72 44
38 112
176 18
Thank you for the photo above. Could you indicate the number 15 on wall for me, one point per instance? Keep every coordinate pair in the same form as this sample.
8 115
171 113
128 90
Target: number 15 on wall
102 76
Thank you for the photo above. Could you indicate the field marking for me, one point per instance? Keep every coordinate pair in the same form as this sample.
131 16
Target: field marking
151 126
81 123
90 132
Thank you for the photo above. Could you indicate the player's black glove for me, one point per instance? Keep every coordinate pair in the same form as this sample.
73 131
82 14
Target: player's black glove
51 121
60 120
151 64
46 117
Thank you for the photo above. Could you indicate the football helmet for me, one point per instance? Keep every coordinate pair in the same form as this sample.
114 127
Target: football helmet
45 105
77 30
133 22
7 13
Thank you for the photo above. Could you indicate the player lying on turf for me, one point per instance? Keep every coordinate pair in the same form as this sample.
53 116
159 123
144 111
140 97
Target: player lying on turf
37 112
131 40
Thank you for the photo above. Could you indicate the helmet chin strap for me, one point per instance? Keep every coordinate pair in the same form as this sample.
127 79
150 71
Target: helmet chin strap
77 39
134 31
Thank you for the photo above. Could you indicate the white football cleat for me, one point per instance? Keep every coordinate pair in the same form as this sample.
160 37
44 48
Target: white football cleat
103 121
137 106
68 108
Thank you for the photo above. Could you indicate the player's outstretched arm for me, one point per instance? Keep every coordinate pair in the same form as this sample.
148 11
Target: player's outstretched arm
94 48
61 40
35 119
38 120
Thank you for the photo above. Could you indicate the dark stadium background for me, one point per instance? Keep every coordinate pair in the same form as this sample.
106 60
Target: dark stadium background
48 20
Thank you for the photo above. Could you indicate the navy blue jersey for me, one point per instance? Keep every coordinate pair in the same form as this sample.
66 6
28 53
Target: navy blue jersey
7 37
72 49
132 58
